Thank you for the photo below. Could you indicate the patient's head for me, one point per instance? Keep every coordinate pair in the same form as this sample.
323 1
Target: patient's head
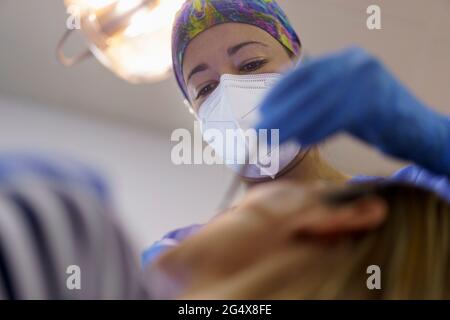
287 241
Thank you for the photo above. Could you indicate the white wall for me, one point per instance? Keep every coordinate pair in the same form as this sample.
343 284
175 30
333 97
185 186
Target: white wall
153 195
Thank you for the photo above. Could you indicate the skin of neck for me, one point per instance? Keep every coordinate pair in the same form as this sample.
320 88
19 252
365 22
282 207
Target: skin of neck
308 167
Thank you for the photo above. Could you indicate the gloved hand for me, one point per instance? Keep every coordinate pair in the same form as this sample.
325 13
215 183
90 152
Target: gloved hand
352 92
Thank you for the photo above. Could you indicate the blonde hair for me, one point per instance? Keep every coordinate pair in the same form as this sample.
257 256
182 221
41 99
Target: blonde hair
411 248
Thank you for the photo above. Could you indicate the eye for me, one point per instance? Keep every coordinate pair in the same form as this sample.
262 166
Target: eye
206 90
252 66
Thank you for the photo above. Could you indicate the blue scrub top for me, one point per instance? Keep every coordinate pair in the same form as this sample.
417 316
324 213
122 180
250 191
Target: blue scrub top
412 174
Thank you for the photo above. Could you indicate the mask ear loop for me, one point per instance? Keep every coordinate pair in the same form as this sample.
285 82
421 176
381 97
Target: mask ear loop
303 59
191 110
232 190
187 104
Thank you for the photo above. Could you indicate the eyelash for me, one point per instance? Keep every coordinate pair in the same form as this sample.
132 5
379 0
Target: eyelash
242 69
202 92
259 64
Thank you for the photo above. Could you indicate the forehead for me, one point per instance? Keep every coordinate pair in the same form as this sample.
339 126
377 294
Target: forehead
212 44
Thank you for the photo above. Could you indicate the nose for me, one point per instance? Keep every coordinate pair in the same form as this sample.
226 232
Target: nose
227 68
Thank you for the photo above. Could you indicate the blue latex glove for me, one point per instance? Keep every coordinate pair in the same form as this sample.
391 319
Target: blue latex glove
352 92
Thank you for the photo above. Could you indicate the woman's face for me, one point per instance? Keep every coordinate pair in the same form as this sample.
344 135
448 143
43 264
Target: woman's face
230 48
276 222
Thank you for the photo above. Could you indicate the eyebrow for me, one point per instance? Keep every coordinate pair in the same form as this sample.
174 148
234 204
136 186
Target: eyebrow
200 68
233 50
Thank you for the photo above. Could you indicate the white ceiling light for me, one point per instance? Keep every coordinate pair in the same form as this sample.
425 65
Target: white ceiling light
130 37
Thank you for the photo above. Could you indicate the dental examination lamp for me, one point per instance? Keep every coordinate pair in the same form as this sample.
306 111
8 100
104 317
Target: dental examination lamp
129 37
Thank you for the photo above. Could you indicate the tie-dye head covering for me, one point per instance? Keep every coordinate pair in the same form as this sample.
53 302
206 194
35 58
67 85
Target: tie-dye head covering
197 16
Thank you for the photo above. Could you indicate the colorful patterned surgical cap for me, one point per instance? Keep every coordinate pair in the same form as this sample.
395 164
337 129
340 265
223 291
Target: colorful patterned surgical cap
197 16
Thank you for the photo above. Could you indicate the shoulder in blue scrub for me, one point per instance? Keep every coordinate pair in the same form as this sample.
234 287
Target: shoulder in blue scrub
170 240
414 175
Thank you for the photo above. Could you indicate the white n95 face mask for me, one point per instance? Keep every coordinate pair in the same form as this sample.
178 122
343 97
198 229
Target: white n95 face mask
228 118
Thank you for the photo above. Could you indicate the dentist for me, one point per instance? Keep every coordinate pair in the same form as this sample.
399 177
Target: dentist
227 55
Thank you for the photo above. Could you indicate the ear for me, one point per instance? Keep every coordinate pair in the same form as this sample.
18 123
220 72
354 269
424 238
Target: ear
358 216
